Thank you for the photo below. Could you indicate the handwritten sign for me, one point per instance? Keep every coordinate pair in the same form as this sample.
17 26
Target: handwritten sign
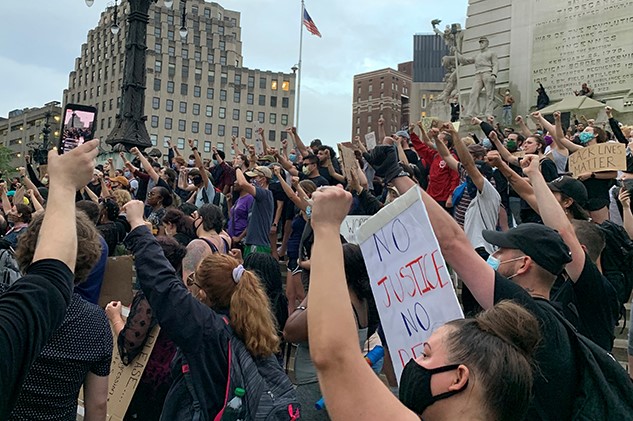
350 225
349 158
408 276
370 140
609 156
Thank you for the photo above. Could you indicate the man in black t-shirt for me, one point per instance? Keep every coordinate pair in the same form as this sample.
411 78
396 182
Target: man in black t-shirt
309 170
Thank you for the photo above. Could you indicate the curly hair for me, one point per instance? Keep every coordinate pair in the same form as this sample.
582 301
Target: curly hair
88 252
212 217
249 309
183 223
121 197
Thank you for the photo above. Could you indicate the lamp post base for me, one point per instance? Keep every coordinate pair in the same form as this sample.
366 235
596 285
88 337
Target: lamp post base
129 133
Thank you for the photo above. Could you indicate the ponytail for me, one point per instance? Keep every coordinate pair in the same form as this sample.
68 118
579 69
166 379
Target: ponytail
251 317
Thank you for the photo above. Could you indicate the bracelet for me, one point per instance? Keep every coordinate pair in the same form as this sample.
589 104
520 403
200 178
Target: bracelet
300 308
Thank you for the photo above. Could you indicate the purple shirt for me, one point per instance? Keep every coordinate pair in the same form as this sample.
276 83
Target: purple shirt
238 215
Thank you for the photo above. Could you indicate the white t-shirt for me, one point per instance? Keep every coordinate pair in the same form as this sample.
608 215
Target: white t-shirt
482 214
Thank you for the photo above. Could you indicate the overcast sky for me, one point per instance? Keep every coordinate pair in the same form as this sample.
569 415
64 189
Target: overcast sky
39 41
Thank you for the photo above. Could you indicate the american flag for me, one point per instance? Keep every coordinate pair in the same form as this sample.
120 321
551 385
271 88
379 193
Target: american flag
309 23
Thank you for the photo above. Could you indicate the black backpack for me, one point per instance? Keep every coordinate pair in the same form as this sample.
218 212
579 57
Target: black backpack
604 390
617 261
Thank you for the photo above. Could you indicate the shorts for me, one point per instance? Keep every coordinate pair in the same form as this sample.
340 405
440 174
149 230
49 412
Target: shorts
250 249
596 203
293 263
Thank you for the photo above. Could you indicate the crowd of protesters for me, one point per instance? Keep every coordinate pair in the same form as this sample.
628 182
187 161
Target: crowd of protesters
215 238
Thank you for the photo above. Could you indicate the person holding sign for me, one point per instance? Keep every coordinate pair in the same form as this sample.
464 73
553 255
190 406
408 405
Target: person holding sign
597 183
464 371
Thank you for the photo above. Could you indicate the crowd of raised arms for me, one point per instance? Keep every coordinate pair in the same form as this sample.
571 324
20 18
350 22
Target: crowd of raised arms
266 311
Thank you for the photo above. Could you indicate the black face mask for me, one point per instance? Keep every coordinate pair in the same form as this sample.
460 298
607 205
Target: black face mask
196 180
415 386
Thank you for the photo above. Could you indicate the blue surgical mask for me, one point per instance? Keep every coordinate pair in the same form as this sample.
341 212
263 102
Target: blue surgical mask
486 143
585 137
493 262
215 162
292 157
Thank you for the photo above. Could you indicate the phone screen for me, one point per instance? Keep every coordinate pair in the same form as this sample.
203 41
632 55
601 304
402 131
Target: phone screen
78 126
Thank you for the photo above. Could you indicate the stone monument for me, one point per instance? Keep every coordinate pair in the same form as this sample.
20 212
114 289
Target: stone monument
486 69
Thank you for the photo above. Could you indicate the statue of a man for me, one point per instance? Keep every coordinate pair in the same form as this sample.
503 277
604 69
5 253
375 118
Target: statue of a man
486 68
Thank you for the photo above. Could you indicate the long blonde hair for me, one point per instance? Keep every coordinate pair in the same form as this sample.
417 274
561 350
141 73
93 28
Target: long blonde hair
249 308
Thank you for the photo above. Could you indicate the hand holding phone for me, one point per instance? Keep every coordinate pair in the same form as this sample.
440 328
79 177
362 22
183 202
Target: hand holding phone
79 124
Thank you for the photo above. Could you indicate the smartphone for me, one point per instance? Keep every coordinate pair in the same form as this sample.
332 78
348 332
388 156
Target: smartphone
78 126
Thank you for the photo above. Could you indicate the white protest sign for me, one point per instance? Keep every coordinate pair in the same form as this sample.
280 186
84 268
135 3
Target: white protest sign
259 147
408 276
350 225
370 140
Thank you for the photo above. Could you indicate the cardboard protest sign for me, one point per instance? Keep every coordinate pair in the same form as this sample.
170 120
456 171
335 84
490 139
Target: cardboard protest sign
408 276
427 123
370 140
348 157
456 125
350 225
608 156
117 281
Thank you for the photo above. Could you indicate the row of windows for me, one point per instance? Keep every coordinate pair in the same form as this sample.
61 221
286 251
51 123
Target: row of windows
195 126
237 95
235 131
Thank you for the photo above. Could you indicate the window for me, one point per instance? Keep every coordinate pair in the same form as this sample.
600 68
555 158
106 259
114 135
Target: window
182 125
185 53
369 119
155 103
237 79
251 81
262 100
197 56
284 135
170 87
207 13
154 139
195 126
223 60
207 146
250 98
272 118
271 135
284 119
273 101
285 85
273 85
157 31
236 96
236 114
158 66
249 116
185 71
169 105
209 93
209 111
370 88
222 44
207 129
183 89
182 107
196 109
222 94
262 83
171 69
168 123
261 117
181 143
158 48
221 30
154 121
222 112
166 141
157 84
223 76
196 91
210 57
235 131
285 102
248 133
220 130
171 51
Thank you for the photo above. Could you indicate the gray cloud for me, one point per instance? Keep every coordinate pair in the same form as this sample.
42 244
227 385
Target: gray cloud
357 37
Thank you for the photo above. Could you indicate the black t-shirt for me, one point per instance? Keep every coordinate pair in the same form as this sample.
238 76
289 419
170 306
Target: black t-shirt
555 377
590 304
318 180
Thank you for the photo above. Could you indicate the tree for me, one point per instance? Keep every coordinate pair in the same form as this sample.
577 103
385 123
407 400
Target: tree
6 157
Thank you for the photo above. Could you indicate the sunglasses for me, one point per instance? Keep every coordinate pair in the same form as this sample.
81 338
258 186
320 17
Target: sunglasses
191 280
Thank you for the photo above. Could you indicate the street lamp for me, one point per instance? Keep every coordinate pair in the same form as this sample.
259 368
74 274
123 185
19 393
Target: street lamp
129 129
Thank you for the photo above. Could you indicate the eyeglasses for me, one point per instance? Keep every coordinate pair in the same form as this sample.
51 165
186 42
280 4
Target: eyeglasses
191 280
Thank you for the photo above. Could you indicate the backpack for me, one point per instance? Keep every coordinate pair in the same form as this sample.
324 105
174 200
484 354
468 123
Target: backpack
617 261
604 390
9 270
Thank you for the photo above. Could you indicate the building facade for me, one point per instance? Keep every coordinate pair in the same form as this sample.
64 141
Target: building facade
428 76
196 87
381 94
22 132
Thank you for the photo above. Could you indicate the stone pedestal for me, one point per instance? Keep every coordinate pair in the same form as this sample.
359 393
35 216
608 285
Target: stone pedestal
440 110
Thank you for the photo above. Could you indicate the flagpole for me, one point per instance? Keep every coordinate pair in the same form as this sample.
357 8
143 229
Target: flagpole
299 65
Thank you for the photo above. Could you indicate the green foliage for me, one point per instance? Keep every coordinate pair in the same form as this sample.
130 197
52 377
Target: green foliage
6 156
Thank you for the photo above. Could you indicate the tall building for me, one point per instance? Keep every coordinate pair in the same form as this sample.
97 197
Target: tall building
196 86
381 94
428 75
22 132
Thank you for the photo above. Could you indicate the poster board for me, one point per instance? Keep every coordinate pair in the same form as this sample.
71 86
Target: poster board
348 157
370 140
427 123
608 156
117 281
259 147
408 276
350 225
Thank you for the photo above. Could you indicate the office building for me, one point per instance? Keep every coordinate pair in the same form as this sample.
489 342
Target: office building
428 77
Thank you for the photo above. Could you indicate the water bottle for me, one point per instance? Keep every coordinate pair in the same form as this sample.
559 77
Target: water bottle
234 410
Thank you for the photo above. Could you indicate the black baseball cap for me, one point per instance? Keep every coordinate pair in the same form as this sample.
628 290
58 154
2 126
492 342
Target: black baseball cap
570 187
543 244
